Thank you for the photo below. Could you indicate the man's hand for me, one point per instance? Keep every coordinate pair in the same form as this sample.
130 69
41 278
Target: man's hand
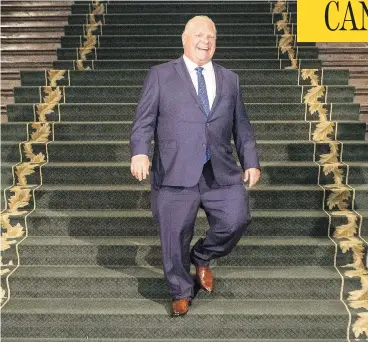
139 166
253 174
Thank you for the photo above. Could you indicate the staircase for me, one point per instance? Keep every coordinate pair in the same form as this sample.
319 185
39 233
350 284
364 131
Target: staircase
354 57
81 254
30 35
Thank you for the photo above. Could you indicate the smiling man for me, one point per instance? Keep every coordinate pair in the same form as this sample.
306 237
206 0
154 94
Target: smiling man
193 106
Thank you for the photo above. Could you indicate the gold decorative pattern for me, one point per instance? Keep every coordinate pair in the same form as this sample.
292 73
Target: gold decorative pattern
98 8
361 325
90 39
359 298
10 236
7 239
286 42
347 235
339 196
55 75
21 199
87 47
311 74
52 98
280 7
11 232
23 170
349 229
40 135
33 158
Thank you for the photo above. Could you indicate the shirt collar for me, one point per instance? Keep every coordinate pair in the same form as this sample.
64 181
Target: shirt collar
191 65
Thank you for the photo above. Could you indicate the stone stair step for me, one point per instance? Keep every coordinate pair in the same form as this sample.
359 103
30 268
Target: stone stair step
28 41
29 48
34 5
37 23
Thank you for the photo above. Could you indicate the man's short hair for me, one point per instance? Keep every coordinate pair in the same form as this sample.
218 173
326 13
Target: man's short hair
199 17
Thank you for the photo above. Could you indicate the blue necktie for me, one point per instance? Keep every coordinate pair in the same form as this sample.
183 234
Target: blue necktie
202 93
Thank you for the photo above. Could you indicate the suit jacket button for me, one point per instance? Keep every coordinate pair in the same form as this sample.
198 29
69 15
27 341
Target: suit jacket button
204 145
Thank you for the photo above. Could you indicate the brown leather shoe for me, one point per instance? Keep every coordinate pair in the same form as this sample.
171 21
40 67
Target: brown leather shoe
205 277
179 307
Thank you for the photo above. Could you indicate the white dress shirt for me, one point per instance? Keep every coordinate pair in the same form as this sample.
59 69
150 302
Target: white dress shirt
209 77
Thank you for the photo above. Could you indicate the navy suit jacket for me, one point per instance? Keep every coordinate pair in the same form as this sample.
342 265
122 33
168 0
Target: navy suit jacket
170 110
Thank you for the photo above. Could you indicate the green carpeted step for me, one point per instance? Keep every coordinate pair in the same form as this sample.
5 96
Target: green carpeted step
354 151
13 131
182 18
364 228
222 40
15 339
136 77
144 251
121 130
172 7
6 174
119 151
10 151
308 52
118 196
141 223
71 190
91 265
148 282
74 112
117 317
175 29
279 150
227 63
113 173
358 173
130 94
273 173
98 151
350 130
264 130
361 196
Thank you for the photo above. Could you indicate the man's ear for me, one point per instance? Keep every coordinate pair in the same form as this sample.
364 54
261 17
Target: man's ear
183 38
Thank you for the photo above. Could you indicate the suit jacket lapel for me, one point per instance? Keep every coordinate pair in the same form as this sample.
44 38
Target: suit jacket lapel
181 68
219 78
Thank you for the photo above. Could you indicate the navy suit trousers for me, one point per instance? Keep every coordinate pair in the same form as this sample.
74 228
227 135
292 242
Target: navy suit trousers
175 210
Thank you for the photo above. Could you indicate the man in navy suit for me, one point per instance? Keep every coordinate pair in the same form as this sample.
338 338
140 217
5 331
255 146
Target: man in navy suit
192 106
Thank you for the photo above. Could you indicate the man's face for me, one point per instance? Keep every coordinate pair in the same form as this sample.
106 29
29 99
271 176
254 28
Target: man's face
199 41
